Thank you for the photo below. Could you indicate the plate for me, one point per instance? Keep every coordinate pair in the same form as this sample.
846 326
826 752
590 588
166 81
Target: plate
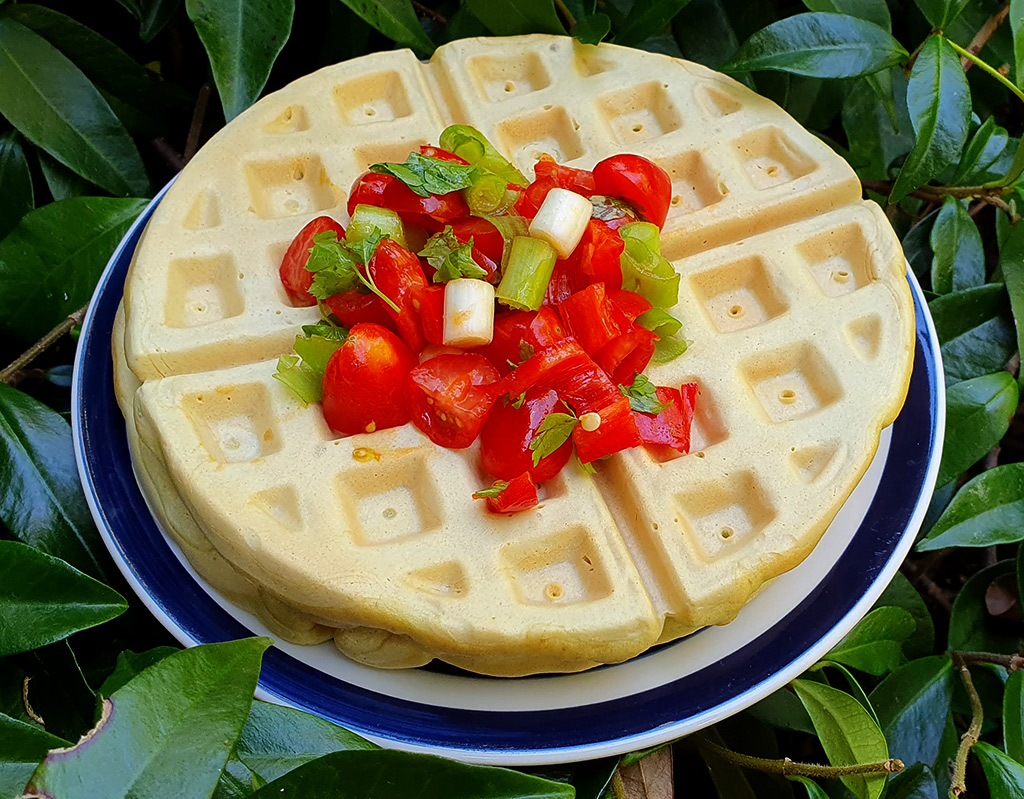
666 693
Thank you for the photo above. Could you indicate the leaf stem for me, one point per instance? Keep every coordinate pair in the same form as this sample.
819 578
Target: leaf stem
563 9
195 129
42 345
995 73
987 194
785 766
969 738
1009 662
429 12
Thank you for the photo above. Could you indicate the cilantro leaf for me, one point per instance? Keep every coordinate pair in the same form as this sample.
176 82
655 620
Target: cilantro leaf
526 350
552 433
426 176
642 395
303 372
451 259
517 403
492 491
325 328
335 265
303 381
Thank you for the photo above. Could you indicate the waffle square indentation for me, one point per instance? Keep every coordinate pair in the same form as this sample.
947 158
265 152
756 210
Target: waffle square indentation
792 382
382 506
693 185
501 77
738 295
379 153
839 260
235 424
639 113
559 569
201 291
529 137
292 120
770 159
290 186
723 515
377 97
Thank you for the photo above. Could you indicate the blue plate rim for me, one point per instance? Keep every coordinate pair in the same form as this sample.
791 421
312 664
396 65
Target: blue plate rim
534 737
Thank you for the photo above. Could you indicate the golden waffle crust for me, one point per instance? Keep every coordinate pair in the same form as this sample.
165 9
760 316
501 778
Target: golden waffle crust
793 294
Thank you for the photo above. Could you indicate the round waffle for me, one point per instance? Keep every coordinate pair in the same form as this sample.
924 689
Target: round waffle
793 296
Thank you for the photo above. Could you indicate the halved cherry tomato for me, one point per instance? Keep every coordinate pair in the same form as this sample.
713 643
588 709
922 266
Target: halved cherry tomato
519 494
512 330
441 155
386 191
671 427
486 237
365 380
450 396
294 276
580 181
642 183
399 275
353 307
432 313
505 439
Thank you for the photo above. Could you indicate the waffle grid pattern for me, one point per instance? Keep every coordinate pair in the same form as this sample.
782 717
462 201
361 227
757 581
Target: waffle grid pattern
792 294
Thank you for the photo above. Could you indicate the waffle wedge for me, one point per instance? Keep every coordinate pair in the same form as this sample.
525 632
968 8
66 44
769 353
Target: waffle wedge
793 295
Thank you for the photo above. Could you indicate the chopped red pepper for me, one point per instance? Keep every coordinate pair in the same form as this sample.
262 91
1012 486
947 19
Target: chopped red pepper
507 433
580 181
628 354
386 191
535 329
565 367
671 427
616 432
519 494
589 317
629 302
595 260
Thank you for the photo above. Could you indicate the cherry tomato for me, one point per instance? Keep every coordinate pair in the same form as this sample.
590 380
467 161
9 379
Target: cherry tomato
432 313
512 330
353 307
441 155
399 275
386 191
642 183
293 272
505 439
450 396
519 494
486 237
580 181
365 379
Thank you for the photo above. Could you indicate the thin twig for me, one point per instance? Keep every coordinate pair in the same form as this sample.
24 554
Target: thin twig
42 345
995 73
936 194
27 705
563 9
196 128
171 157
1009 662
984 34
969 738
429 12
786 766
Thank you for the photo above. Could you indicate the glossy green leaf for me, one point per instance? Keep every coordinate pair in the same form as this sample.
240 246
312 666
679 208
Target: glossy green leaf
41 500
819 45
645 19
941 12
988 510
978 413
1011 265
242 40
50 262
155 14
971 628
59 691
916 782
385 774
22 747
983 157
61 181
109 67
847 732
875 142
1004 775
975 335
917 245
814 791
46 97
875 644
512 17
397 20
901 594
912 705
854 687
43 599
1020 571
939 102
1016 21
16 195
875 11
276 740
705 34
1013 716
592 28
729 779
166 733
782 710
130 665
959 258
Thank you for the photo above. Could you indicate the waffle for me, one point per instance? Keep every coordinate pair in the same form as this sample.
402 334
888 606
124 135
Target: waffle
793 297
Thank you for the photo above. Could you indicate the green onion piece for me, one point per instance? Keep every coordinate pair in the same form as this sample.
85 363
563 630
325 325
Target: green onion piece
668 348
509 227
316 351
643 232
303 381
658 321
530 264
472 146
367 217
488 194
648 274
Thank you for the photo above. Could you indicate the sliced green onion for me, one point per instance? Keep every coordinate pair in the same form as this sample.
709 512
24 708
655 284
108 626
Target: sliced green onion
302 380
659 321
472 146
509 227
526 276
488 194
648 273
643 232
668 348
367 217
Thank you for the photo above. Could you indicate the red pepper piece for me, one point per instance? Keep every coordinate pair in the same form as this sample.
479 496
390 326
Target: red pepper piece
629 302
432 313
671 427
538 329
595 260
565 367
580 181
628 354
616 432
519 494
399 275
590 318
507 433
353 307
